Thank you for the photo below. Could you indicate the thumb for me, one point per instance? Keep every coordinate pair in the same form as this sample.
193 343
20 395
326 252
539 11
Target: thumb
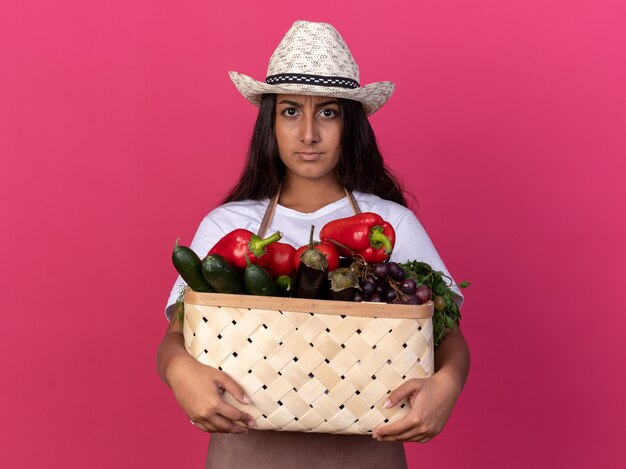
402 392
230 386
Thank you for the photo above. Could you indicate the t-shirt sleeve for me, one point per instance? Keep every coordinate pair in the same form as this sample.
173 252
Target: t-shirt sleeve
413 243
208 233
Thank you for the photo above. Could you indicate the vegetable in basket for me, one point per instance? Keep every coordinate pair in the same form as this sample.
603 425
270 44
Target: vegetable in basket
278 260
311 273
258 281
285 283
221 275
365 234
329 250
434 283
344 284
235 245
189 266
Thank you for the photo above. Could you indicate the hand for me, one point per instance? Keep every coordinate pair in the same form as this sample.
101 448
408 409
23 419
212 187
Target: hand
198 389
430 400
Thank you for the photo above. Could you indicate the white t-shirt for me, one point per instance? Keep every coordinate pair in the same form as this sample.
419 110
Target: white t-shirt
412 242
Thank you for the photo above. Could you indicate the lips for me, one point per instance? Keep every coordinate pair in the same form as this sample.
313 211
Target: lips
308 156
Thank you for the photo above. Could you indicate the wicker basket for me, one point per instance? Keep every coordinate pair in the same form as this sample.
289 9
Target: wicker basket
311 365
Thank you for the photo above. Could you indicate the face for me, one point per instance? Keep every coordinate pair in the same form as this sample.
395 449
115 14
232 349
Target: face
308 133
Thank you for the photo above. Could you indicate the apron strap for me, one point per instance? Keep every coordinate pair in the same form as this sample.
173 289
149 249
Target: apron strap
269 214
271 208
353 203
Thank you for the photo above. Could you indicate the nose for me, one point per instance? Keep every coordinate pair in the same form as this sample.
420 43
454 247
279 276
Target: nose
309 131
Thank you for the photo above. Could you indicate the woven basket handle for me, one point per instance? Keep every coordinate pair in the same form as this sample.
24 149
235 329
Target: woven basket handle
271 208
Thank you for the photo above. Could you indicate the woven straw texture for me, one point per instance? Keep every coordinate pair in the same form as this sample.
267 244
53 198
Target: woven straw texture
308 371
314 49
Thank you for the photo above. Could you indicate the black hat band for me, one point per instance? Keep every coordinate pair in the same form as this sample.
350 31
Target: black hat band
338 82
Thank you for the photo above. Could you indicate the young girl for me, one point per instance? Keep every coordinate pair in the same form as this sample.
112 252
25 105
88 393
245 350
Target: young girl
313 158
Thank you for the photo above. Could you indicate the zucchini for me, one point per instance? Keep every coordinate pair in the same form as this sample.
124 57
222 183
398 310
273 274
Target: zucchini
221 275
189 266
258 281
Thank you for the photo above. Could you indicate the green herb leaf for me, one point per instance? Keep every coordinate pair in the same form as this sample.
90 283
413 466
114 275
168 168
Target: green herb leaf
180 313
180 306
450 317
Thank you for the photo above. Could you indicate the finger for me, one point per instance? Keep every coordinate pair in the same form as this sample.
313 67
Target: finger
402 392
200 426
415 439
393 429
418 434
412 434
419 438
218 423
226 382
236 415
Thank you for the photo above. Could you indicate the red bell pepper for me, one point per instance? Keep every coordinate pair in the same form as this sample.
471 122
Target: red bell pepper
278 260
235 245
329 250
365 234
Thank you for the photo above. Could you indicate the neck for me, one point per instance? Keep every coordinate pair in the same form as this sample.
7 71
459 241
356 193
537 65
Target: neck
307 196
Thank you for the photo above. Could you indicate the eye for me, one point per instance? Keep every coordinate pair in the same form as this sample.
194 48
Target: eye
328 113
290 112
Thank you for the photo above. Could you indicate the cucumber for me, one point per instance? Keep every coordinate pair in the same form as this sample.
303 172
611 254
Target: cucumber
258 281
189 266
221 275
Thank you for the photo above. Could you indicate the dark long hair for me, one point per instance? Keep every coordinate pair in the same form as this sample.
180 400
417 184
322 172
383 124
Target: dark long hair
361 166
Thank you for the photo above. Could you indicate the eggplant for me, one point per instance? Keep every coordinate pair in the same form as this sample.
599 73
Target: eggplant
311 273
344 284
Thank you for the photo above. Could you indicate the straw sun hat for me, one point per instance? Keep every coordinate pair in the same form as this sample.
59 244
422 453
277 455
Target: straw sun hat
313 59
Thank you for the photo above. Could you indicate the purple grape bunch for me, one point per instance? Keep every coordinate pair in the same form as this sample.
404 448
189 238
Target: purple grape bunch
386 282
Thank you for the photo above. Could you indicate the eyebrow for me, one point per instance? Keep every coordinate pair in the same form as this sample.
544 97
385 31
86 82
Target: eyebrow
298 105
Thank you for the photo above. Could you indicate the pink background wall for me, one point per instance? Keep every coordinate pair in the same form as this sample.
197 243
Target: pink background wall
119 130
